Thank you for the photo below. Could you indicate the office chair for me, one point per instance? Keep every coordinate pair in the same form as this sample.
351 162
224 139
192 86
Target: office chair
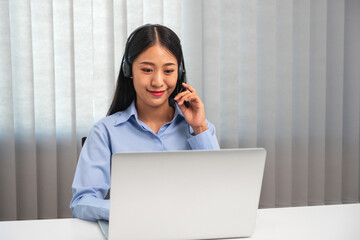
83 139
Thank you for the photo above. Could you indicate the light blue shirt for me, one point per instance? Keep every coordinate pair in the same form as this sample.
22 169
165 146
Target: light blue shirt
124 132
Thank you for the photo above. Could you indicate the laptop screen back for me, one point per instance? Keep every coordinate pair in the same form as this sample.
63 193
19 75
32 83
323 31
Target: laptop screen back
185 194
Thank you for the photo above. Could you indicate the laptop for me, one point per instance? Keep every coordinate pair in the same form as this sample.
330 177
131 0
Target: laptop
196 194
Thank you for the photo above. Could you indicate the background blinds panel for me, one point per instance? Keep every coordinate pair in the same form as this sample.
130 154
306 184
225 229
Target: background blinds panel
64 101
283 76
120 35
317 114
334 100
24 124
351 120
211 63
136 18
192 43
173 15
84 67
248 87
300 102
7 139
44 100
266 17
153 11
103 61
229 85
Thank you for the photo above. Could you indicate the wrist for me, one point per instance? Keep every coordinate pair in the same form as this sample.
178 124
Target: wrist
200 129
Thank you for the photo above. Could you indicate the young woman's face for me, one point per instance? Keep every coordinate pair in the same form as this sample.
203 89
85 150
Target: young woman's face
155 73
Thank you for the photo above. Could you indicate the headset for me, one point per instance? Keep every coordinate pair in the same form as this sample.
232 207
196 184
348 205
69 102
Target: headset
126 65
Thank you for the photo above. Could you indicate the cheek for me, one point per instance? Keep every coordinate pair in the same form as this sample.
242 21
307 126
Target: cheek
139 81
135 83
172 82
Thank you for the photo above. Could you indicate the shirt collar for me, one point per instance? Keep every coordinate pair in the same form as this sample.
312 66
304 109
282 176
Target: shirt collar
125 115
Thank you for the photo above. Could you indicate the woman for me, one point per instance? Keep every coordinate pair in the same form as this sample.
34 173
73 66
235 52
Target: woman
153 110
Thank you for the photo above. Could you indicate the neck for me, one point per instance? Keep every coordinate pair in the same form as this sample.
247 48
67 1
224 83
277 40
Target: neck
155 116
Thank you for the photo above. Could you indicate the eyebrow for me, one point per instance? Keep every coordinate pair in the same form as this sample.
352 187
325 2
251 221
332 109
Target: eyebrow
152 64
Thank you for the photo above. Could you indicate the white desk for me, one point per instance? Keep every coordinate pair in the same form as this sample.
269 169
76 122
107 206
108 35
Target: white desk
321 222
331 222
67 228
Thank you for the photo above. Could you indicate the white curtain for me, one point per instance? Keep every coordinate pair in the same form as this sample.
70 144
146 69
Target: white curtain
278 74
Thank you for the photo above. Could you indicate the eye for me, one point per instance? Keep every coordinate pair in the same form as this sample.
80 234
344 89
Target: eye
169 71
146 70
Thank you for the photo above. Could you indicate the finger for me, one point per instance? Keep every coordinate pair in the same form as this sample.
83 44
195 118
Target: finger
195 97
187 97
190 97
190 88
181 94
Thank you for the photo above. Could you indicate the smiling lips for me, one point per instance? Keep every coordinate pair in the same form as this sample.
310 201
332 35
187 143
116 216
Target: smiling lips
157 93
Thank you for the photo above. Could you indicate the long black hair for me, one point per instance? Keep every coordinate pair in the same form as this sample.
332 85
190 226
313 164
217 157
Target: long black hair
138 41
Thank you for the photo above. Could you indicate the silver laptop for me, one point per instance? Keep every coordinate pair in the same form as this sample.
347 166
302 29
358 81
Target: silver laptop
185 194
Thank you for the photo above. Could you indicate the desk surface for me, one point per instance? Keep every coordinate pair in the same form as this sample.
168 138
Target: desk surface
320 222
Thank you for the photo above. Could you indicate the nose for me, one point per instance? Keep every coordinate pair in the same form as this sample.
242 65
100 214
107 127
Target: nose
157 80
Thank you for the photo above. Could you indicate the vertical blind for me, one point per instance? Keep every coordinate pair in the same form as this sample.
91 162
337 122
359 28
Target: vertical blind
278 74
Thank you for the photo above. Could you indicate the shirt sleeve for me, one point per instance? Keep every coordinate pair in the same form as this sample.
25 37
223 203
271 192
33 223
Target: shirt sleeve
92 177
204 141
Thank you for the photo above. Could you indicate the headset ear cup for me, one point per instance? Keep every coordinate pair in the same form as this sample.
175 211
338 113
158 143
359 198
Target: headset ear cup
126 69
181 71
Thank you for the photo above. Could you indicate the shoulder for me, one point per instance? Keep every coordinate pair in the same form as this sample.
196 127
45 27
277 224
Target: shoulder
107 123
103 128
108 120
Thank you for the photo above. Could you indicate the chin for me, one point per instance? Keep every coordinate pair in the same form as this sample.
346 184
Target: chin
159 104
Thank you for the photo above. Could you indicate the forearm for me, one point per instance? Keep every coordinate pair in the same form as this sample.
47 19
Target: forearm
91 208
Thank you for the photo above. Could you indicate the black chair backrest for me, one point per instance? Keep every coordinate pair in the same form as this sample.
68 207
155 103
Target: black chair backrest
83 141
